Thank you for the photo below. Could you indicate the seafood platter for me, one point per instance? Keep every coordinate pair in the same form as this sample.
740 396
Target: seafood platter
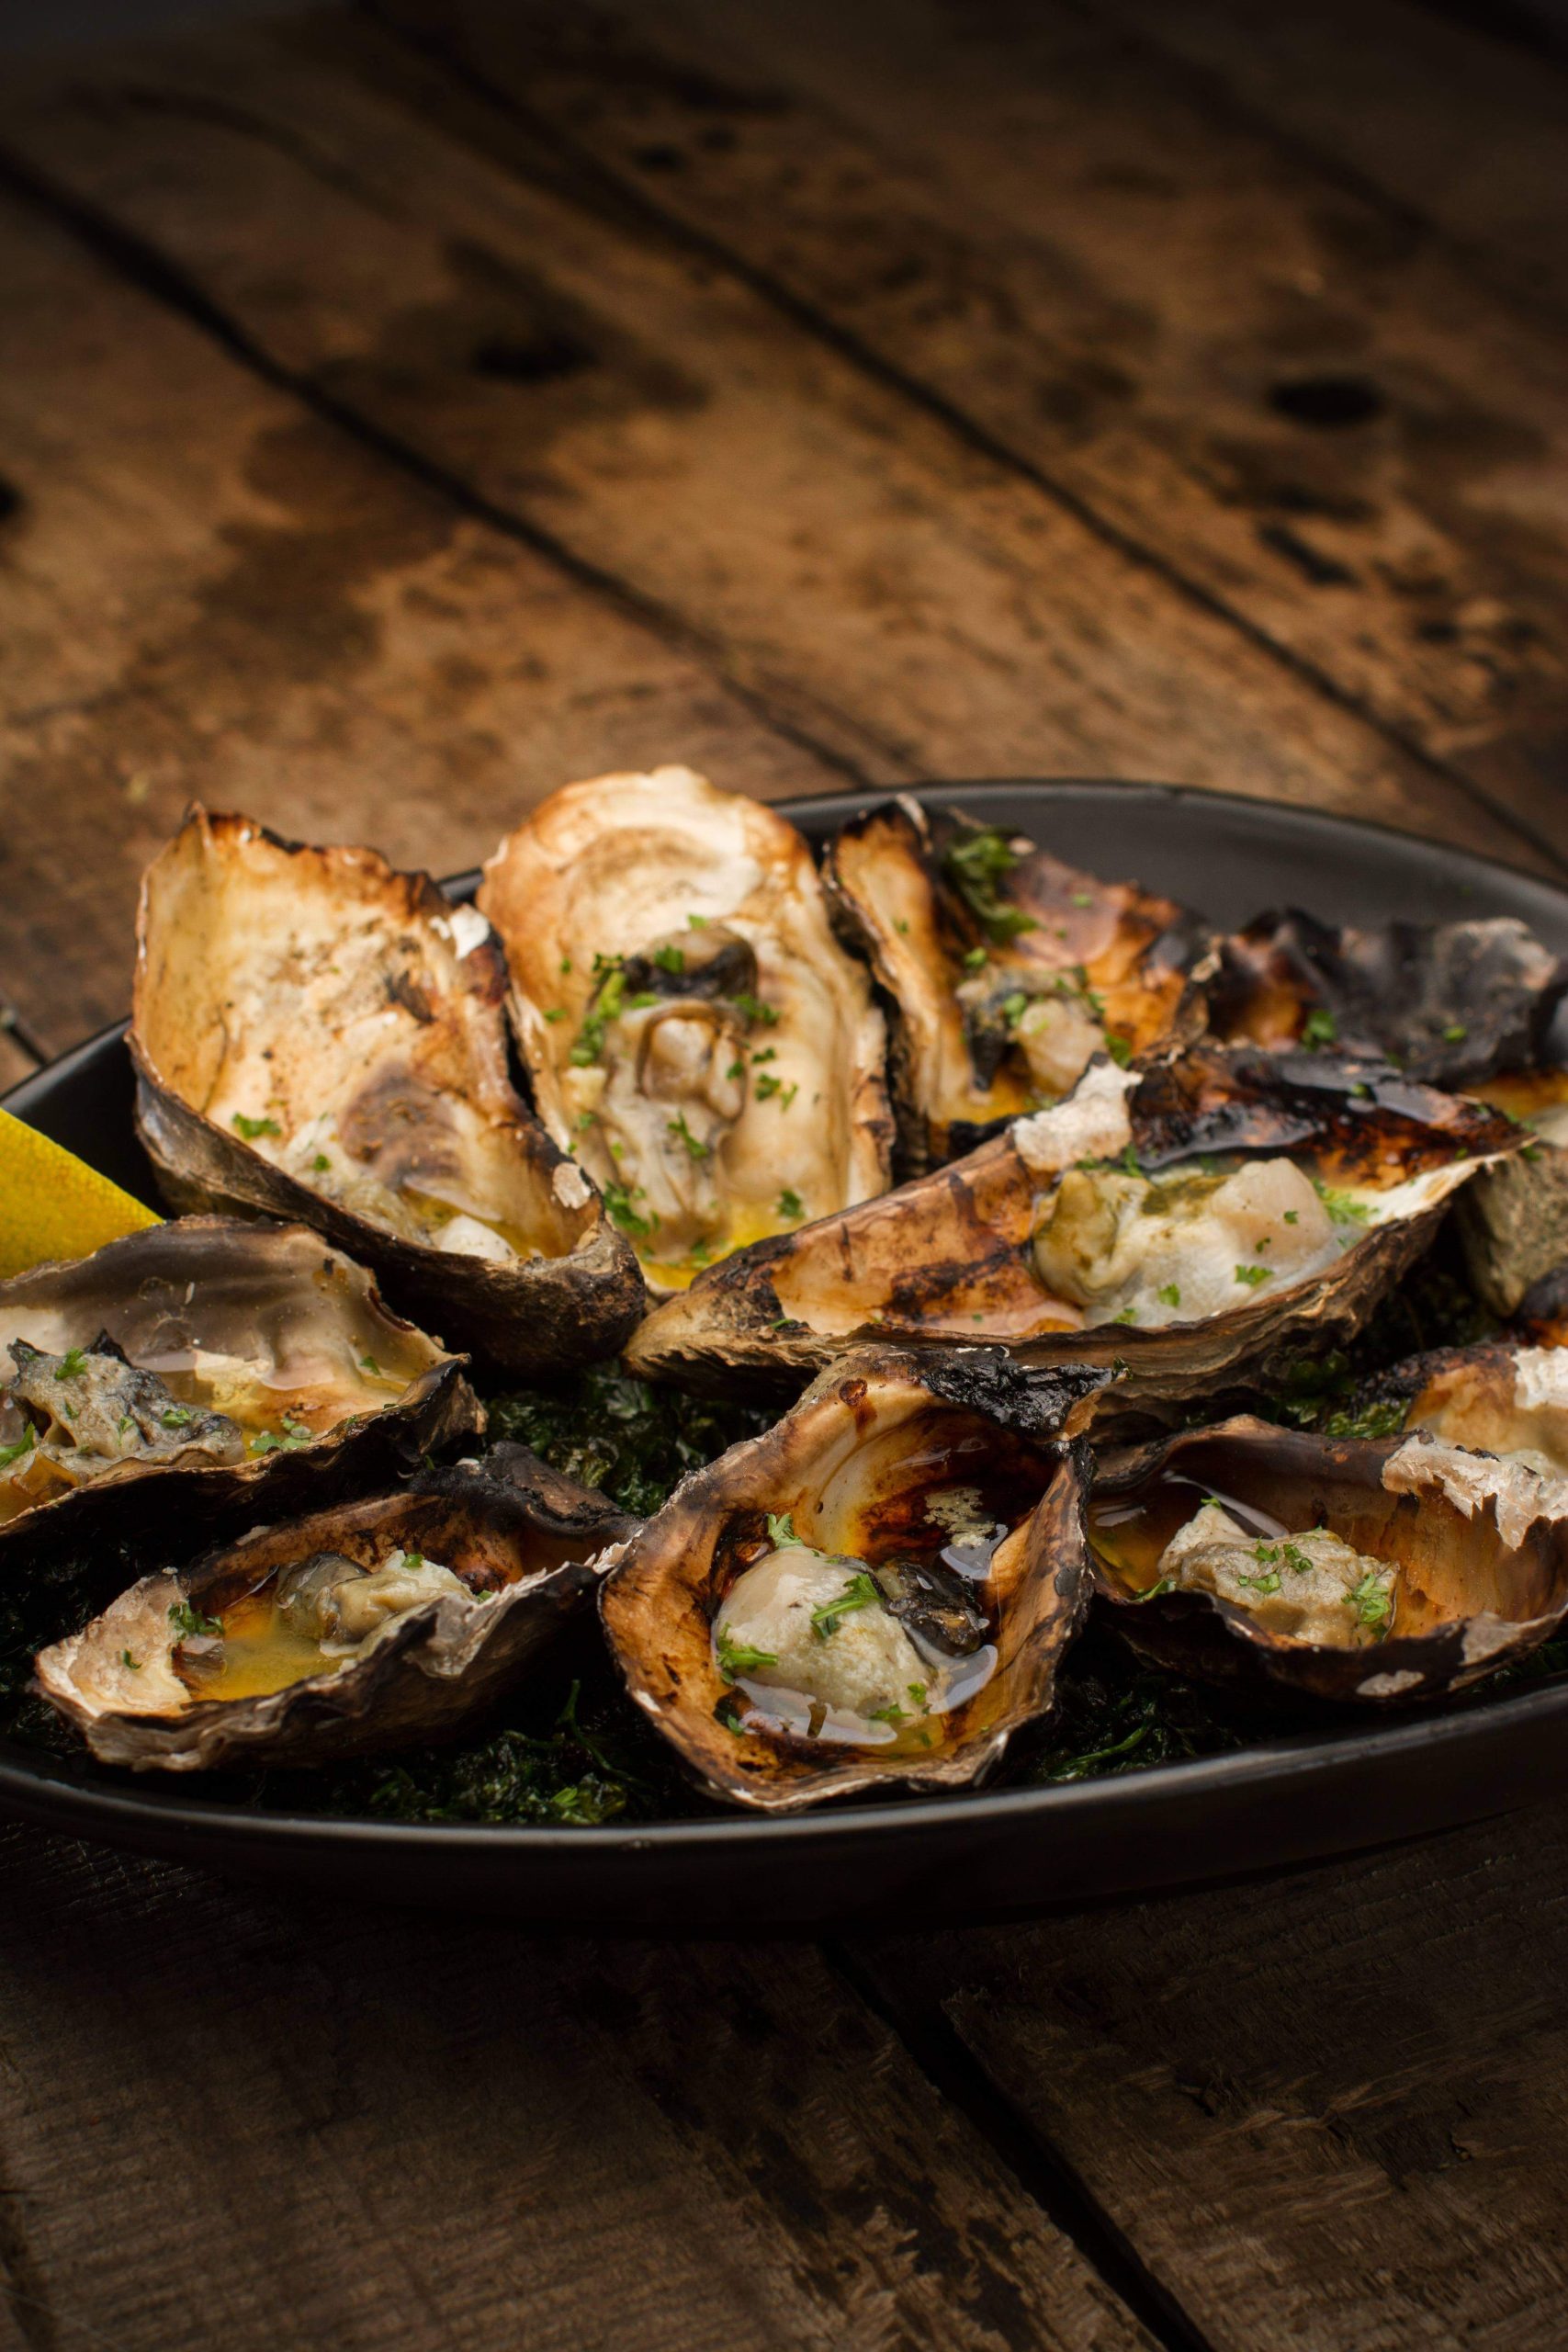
763 1364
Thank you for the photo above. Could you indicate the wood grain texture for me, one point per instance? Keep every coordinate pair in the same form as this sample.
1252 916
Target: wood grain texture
15 1062
1123 283
310 2126
207 591
1329 2112
908 595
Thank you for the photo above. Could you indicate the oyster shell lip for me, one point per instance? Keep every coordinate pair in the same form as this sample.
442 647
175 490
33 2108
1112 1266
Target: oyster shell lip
137 1287
614 869
527 1315
1145 958
1513 1224
946 1260
659 1606
1457 1002
1426 1502
435 1671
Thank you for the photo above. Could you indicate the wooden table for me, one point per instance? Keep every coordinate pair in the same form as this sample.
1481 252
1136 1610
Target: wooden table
404 410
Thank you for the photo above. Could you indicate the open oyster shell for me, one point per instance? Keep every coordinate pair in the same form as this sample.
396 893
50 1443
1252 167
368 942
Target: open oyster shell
363 1627
1008 970
1449 1563
1451 1003
1046 1241
1514 1222
913 1549
203 1367
319 1037
694 1030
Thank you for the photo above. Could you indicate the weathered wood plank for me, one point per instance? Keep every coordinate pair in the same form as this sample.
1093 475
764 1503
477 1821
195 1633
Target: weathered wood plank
476 303
1329 2112
311 2126
1302 407
1467 129
207 591
15 1062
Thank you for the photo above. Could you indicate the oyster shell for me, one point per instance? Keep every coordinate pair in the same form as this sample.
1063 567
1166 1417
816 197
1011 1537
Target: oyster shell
1184 1220
363 1627
1355 1570
874 1594
249 1364
694 1031
319 1037
1505 1396
1514 1222
1009 970
1452 1004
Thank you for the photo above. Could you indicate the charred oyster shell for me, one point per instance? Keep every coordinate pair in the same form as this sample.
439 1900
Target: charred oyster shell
874 1594
200 1367
319 1037
1450 1003
1009 970
1514 1222
1360 1571
363 1627
1183 1220
694 1031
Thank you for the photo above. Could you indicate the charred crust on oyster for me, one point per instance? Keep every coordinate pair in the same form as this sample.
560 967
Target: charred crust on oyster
873 1491
510 1551
411 1128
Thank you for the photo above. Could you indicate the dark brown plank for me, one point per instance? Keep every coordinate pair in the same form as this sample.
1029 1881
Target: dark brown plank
1454 120
211 592
1091 256
15 1062
231 2119
493 313
1329 2112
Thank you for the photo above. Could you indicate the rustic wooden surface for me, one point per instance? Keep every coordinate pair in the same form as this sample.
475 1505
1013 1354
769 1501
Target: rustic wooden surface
403 409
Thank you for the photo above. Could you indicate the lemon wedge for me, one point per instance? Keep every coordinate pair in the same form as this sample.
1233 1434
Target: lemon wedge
52 1205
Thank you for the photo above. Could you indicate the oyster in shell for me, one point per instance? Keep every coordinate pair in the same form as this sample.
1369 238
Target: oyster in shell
874 1594
1183 1220
1514 1222
1355 1570
694 1030
1505 1397
1451 1003
363 1627
200 1367
1009 970
319 1037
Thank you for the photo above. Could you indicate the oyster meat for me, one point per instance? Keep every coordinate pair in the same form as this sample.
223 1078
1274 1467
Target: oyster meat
249 1363
1451 1003
358 1628
694 1031
1009 970
1348 1569
319 1037
1184 1219
874 1593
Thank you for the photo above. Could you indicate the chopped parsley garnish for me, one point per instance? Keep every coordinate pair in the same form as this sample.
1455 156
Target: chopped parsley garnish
735 1069
1292 1217
1169 1294
975 863
1294 1557
767 1084
72 1364
695 1147
1083 898
1267 1583
736 1658
565 966
1372 1601
1343 1207
918 1693
619 1201
24 1444
861 1592
187 1620
294 1432
1127 1315
1153 1592
670 959
1014 1007
175 1417
369 1365
765 1053
697 922
790 1202
1129 1164
608 1005
555 1012
780 1529
1320 1028
973 960
133 1663
252 1128
753 1009
787 1097
1118 1049
320 1163
1456 1034
892 1713
1253 1275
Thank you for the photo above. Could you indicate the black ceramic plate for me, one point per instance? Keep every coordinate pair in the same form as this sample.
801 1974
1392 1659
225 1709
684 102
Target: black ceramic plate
952 1858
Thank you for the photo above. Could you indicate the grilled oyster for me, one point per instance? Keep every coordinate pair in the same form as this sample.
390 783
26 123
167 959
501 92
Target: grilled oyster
320 1037
1009 970
1452 1004
367 1626
694 1031
1513 1222
249 1363
874 1594
1184 1220
1348 1569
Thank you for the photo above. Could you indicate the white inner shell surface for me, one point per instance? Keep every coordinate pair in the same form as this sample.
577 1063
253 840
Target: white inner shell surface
611 868
1302 1585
